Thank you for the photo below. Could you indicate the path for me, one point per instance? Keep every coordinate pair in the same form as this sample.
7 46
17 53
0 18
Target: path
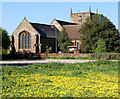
26 62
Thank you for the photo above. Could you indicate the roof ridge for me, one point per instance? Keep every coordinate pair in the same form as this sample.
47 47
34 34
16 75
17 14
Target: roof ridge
63 21
39 24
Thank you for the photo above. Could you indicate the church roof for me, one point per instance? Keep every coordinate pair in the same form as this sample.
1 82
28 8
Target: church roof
65 23
45 30
72 31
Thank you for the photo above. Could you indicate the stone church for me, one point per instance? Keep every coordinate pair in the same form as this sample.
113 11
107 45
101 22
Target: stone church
34 37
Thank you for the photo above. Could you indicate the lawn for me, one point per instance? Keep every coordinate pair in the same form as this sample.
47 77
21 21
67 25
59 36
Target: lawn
92 79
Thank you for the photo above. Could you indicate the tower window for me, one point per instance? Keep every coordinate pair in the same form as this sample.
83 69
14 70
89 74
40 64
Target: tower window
80 19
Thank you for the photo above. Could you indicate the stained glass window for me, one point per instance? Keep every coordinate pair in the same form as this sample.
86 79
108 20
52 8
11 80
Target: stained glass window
29 41
23 41
20 41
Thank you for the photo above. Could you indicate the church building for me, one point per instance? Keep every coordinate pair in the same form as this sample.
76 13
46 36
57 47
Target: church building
34 37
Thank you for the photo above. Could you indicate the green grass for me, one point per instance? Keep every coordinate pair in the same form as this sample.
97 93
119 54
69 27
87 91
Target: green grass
55 79
47 68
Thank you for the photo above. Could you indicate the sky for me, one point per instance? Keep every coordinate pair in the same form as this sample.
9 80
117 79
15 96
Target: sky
44 12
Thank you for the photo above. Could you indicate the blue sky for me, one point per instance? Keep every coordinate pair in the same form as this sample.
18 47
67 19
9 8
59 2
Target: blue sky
44 12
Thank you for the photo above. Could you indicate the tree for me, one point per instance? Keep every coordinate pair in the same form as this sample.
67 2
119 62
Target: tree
99 27
5 40
101 48
63 41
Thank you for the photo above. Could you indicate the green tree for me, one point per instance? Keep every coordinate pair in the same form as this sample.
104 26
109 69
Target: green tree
101 48
5 40
63 41
99 27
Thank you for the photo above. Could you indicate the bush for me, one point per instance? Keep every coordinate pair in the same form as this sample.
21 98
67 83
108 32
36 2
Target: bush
48 49
106 56
101 47
63 41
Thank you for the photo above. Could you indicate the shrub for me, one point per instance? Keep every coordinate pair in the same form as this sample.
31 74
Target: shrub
106 56
48 49
63 41
101 48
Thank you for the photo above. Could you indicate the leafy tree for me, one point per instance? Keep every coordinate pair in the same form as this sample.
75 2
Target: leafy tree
5 40
101 48
99 27
63 41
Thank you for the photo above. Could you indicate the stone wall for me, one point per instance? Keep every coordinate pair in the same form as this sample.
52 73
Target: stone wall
76 16
25 26
57 25
68 55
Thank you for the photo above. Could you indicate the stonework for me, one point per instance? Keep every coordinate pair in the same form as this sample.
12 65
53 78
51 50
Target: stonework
42 35
80 17
24 26
57 25
68 55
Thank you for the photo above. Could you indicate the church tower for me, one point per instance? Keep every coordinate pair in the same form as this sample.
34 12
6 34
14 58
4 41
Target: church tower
80 17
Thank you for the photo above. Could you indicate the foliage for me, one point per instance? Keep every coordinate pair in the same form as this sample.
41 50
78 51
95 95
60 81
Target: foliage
5 43
5 38
99 27
63 41
93 79
101 48
48 49
106 56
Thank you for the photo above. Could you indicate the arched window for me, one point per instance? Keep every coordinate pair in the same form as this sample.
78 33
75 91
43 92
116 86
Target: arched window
80 19
20 41
25 40
29 41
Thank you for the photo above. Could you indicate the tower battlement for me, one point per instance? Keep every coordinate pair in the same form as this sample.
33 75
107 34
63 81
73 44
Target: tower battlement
80 17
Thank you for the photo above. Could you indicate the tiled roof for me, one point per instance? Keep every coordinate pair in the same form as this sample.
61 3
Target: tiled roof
45 30
72 31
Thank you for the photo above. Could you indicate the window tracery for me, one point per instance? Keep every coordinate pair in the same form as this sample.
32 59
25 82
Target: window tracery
25 40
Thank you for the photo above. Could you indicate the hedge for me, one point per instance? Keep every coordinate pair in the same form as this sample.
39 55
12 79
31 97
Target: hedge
105 56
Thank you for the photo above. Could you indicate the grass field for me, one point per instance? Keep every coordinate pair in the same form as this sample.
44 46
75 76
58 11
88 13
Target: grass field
92 79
